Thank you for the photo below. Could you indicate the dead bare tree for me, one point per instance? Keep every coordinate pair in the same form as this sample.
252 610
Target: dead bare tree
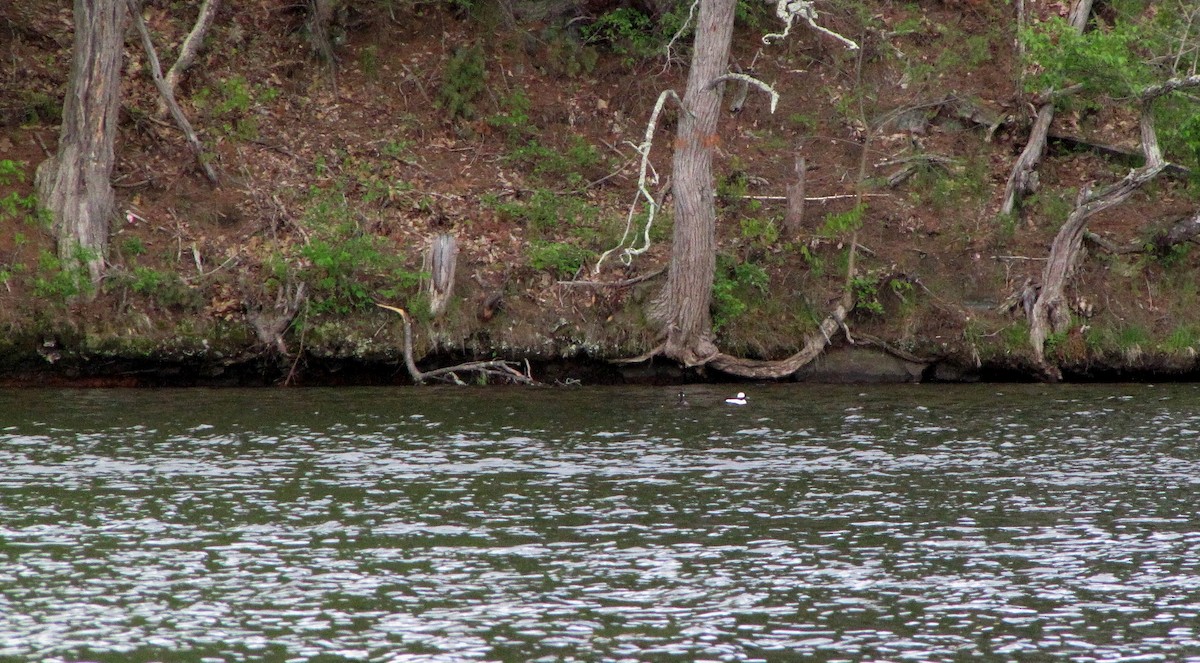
1049 313
499 368
168 94
794 219
442 260
1024 180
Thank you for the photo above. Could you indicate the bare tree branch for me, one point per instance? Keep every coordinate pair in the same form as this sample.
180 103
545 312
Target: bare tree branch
749 80
788 10
189 49
651 204
168 95
497 368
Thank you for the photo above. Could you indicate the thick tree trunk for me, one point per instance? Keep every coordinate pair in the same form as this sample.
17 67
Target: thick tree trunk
75 185
683 306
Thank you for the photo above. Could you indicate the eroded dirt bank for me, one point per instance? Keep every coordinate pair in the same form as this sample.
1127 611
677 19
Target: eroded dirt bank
515 134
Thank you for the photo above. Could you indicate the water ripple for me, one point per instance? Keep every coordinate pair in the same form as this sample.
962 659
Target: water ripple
940 525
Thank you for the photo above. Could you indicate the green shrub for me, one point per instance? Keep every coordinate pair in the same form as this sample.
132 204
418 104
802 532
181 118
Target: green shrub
513 118
230 104
866 294
60 281
560 259
842 223
734 283
462 82
345 269
165 288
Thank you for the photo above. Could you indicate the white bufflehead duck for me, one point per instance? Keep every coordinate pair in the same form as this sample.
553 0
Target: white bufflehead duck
740 399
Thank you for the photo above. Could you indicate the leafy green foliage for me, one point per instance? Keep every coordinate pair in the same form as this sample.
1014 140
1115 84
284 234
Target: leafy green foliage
60 281
346 269
636 35
843 223
230 103
14 206
733 186
561 259
11 171
547 210
462 82
513 118
165 288
1178 123
565 55
866 294
563 168
734 283
1102 61
626 31
759 232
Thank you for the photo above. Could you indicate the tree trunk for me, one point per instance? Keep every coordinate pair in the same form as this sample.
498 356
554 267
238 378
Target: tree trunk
794 219
442 260
683 306
75 184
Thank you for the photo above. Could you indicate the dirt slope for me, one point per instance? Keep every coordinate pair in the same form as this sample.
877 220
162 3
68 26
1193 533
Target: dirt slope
517 137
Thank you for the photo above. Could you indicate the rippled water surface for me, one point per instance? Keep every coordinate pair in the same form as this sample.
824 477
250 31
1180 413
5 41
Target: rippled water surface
815 524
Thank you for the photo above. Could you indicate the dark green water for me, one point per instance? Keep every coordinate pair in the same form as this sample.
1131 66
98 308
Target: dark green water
1023 523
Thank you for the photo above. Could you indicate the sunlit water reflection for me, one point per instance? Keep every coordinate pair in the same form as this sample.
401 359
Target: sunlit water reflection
916 524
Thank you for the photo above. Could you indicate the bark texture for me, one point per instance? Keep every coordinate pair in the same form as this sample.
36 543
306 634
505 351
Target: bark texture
75 184
1049 313
683 306
443 258
1023 179
189 49
168 94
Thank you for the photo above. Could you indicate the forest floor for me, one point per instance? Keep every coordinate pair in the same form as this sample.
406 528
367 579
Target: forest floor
517 136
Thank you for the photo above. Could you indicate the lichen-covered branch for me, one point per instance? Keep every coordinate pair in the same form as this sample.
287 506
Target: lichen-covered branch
749 80
789 10
642 191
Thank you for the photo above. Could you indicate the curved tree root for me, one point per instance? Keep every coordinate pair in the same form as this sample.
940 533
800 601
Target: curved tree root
498 368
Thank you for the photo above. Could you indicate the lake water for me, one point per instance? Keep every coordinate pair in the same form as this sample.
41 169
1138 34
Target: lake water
918 523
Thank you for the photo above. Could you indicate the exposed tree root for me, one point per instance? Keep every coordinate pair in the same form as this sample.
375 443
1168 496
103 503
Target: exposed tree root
270 322
498 368
814 345
1049 313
